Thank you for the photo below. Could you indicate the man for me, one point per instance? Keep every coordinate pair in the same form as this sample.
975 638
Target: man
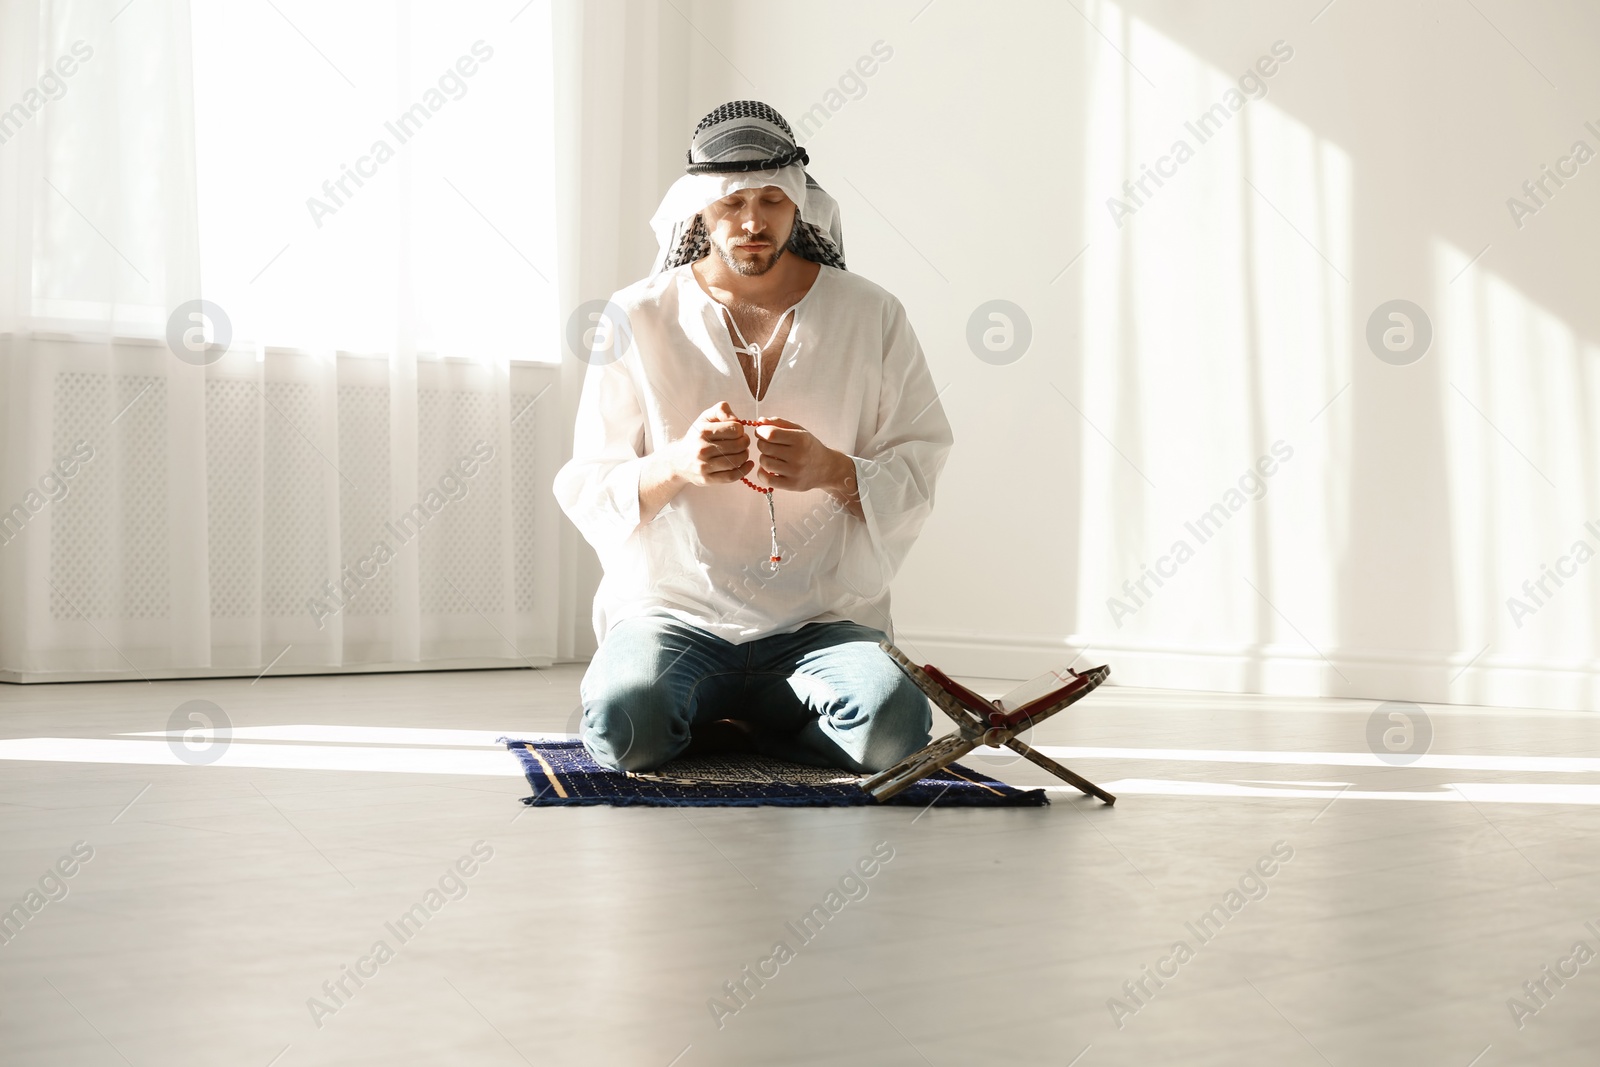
714 631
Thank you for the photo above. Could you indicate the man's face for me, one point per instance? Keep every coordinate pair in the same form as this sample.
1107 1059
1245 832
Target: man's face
749 228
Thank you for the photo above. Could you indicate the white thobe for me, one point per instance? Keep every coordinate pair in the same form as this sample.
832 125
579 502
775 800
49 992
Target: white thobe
851 372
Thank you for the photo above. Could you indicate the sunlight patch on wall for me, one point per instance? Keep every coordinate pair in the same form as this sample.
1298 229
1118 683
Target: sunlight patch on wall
1524 491
1216 302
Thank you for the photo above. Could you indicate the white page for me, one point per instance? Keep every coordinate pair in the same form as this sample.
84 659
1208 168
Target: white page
1034 688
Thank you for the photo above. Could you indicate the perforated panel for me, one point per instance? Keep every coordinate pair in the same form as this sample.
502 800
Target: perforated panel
526 496
461 544
364 458
271 480
233 496
294 531
118 498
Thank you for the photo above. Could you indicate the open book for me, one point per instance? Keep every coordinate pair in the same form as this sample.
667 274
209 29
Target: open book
1034 698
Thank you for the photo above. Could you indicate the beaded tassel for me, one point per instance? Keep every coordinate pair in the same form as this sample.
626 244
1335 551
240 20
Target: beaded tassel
767 489
754 352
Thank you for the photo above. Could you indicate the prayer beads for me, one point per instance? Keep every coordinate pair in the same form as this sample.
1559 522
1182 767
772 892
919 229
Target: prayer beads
766 490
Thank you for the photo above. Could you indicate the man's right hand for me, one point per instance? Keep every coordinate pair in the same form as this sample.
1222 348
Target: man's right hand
715 450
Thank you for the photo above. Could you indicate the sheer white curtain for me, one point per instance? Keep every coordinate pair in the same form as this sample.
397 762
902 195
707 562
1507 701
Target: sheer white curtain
342 457
623 115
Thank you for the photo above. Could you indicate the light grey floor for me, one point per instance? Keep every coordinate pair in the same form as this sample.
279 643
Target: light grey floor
220 897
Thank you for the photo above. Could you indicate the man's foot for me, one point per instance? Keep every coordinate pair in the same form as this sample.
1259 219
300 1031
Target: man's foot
720 737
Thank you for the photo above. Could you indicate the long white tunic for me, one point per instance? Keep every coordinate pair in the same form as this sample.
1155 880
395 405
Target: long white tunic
851 372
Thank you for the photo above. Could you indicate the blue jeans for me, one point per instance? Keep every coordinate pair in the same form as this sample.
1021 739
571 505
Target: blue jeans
825 695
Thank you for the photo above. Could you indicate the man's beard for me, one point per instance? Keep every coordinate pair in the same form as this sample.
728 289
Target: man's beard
750 265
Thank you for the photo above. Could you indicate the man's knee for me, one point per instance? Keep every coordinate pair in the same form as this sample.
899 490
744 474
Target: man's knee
902 722
889 716
630 727
890 697
631 718
909 704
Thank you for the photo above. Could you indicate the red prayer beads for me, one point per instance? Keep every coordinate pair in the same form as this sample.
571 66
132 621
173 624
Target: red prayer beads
747 481
767 491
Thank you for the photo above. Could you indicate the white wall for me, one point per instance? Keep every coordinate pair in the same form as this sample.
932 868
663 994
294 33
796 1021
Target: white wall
1226 313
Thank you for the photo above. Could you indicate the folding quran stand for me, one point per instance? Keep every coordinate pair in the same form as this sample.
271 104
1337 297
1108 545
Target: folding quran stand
982 722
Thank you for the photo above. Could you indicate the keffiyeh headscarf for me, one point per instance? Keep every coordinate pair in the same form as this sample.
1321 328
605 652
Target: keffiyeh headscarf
744 144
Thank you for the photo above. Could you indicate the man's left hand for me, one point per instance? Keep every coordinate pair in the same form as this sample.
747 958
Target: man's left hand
791 457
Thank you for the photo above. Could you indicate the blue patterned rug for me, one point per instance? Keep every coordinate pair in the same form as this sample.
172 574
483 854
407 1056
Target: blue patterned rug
562 773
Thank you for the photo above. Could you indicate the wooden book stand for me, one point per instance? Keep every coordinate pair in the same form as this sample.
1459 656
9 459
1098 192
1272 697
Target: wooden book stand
980 721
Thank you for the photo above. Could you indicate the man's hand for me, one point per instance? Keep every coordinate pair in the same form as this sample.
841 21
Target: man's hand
792 458
714 450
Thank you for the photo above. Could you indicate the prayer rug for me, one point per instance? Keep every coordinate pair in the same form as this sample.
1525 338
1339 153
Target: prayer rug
563 773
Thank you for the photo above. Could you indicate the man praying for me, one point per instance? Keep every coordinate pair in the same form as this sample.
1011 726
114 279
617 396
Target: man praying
753 458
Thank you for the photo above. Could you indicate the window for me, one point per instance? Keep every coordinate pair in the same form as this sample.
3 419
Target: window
371 173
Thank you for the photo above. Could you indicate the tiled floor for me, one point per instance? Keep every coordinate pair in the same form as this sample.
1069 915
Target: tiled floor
220 897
